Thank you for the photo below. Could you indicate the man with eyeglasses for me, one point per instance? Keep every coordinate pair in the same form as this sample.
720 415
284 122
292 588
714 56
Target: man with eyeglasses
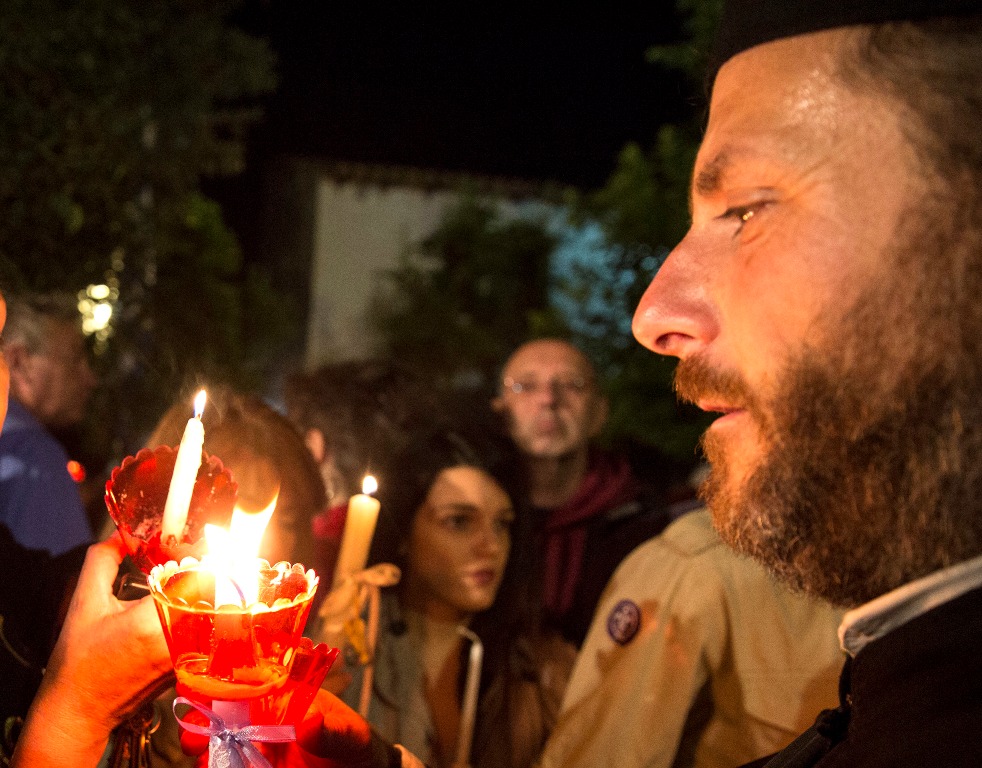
594 510
50 384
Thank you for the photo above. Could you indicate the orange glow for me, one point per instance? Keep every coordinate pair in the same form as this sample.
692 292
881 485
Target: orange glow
76 470
199 403
233 554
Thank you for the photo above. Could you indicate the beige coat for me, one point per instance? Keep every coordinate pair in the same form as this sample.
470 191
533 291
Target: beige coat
709 627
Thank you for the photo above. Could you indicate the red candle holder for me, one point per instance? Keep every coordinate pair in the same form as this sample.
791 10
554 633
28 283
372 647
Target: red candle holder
246 662
137 491
244 654
232 652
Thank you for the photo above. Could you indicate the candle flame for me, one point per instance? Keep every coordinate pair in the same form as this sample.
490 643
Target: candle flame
369 484
199 403
233 553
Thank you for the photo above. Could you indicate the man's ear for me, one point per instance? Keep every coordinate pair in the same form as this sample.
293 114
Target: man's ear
16 355
314 440
498 404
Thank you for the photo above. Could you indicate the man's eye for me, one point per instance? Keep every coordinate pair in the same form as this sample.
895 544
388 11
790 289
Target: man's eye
741 214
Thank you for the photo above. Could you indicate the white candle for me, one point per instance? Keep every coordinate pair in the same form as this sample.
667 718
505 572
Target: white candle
468 709
185 471
359 527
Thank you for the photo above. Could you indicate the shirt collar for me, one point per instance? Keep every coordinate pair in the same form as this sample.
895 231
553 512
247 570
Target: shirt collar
876 618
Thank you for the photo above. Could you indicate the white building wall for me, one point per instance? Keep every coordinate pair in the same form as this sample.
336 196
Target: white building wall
360 231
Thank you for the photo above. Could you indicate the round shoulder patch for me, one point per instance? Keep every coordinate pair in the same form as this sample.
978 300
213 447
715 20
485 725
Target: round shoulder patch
624 621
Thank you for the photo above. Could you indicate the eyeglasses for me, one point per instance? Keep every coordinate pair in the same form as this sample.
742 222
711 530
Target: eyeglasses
567 387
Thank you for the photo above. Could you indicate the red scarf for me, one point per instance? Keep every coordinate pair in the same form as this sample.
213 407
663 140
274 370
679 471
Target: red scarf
328 529
607 485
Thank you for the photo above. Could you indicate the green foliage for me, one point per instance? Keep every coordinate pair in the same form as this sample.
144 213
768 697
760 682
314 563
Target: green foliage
643 212
692 56
462 301
111 111
464 297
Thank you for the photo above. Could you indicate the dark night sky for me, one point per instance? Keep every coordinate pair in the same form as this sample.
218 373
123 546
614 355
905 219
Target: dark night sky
482 88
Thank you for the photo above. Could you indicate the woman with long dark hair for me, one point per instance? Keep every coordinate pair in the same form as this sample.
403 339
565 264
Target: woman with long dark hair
454 520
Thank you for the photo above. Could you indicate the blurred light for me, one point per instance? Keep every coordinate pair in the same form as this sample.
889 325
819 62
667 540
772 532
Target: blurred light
101 314
95 304
98 292
76 470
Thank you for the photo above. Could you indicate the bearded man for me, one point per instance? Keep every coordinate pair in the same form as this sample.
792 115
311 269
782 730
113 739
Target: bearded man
825 303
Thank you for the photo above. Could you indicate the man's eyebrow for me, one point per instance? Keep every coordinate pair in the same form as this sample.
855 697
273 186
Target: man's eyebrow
710 178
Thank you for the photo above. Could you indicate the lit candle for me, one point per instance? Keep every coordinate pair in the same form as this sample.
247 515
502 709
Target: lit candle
232 556
359 527
185 471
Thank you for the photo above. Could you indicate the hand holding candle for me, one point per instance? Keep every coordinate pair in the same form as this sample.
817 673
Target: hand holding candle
359 527
185 471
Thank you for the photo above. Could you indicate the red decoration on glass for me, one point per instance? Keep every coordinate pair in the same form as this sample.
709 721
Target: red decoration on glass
137 491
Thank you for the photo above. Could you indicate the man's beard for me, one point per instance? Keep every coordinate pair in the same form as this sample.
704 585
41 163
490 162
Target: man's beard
871 474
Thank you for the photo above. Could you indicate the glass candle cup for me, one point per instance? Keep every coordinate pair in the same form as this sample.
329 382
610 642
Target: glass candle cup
239 652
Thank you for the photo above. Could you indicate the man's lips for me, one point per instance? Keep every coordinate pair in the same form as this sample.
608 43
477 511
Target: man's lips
727 411
717 406
548 425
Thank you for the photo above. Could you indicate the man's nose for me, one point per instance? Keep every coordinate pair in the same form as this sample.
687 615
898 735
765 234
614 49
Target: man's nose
676 315
547 392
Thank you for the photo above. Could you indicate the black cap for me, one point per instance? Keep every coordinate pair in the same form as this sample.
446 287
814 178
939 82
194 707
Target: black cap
746 23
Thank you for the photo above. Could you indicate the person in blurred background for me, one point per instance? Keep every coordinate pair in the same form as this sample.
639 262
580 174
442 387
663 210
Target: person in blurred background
453 519
267 459
108 658
50 384
591 506
351 415
35 588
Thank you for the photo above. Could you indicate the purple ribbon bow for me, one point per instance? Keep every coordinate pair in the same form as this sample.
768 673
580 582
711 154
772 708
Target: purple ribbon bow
231 747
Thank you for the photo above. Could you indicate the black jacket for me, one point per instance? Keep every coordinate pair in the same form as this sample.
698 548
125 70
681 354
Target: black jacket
914 696
34 592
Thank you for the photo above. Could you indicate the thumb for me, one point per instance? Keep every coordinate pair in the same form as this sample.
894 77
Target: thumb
333 730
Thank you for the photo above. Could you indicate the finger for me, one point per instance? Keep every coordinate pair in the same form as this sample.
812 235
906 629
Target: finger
332 729
102 561
309 731
117 541
337 682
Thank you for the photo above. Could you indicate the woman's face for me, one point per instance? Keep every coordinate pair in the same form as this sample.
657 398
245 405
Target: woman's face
459 545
